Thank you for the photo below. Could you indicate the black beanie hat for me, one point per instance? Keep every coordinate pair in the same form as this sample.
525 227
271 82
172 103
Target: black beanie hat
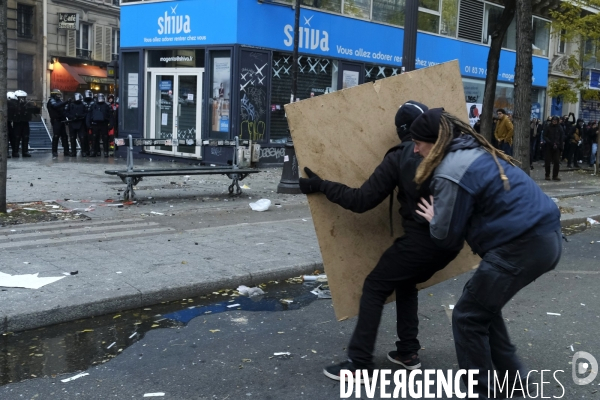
406 115
426 127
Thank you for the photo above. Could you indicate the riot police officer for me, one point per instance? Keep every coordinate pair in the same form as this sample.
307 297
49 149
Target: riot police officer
113 133
88 101
99 118
56 109
21 118
11 107
76 113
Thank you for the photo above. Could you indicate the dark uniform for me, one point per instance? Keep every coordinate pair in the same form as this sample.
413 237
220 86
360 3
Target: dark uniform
76 113
88 101
99 118
21 118
11 108
56 109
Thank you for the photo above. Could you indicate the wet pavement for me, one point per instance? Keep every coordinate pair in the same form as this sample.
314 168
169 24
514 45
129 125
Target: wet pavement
74 346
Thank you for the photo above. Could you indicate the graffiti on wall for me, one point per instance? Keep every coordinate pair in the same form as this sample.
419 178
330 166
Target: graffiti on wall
253 95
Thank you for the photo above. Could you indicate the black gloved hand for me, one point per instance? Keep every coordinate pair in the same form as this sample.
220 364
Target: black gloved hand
312 184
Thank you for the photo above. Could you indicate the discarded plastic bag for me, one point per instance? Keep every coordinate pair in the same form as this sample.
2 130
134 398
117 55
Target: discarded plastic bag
261 205
250 292
592 221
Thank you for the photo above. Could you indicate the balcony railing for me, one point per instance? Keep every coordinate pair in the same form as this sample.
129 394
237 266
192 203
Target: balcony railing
83 53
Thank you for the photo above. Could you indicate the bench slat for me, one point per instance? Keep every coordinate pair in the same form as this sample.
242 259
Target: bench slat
175 172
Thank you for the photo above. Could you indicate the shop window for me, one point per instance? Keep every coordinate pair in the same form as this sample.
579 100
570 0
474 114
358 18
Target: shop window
327 5
24 21
541 37
25 72
428 22
357 8
315 77
492 17
220 95
130 66
389 11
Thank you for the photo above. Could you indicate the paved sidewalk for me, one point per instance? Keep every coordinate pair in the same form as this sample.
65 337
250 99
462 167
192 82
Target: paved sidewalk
184 237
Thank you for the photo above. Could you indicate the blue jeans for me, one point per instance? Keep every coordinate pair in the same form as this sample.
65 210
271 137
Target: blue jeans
594 151
506 148
480 335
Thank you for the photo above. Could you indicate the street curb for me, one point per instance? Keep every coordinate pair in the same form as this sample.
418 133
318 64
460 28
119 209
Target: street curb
577 194
577 221
57 315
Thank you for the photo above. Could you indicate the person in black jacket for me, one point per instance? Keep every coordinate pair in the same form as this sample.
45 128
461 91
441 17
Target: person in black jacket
21 118
413 258
76 113
11 106
99 118
56 109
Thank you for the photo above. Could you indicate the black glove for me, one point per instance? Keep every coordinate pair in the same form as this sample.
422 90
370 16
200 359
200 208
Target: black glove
312 184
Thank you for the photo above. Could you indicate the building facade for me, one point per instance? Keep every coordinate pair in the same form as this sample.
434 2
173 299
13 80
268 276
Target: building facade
211 70
65 44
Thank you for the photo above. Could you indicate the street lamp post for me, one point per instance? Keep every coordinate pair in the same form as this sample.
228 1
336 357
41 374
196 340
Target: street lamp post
409 49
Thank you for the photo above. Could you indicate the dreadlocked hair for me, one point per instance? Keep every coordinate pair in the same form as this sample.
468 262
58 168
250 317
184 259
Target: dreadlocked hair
451 127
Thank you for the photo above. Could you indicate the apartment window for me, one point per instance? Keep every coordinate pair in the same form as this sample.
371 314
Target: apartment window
449 23
541 36
429 16
84 41
25 72
560 48
115 44
24 21
389 11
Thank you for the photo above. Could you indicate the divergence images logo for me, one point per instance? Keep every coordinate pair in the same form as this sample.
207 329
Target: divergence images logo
580 368
169 24
309 38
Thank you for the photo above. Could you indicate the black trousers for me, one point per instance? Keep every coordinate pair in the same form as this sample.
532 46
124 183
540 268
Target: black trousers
81 134
551 156
100 132
59 131
480 335
410 260
21 136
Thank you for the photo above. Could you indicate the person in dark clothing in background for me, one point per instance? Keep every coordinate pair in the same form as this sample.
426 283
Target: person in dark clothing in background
535 129
88 101
593 138
99 118
56 109
575 139
479 195
553 142
413 258
76 113
11 107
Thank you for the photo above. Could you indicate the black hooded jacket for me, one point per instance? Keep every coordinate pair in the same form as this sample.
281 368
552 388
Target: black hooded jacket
397 170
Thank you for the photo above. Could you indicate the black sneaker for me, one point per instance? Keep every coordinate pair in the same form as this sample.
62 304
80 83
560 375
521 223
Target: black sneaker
54 154
335 371
410 361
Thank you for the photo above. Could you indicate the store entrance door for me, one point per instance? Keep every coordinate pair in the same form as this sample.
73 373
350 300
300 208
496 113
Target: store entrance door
175 110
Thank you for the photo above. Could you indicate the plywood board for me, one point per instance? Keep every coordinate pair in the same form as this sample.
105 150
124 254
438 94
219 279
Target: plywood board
343 136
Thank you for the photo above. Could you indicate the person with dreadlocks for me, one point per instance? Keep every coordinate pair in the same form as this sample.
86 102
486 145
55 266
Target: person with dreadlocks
479 195
412 258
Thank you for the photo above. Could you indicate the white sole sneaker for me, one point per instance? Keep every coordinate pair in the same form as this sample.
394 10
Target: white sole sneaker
409 367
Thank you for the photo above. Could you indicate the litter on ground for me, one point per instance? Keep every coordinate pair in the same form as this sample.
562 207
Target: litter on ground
74 377
27 281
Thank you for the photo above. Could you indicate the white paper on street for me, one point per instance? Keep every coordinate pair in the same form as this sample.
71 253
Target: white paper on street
27 281
74 377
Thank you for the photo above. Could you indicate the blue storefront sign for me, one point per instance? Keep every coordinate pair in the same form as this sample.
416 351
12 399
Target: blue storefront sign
248 22
165 85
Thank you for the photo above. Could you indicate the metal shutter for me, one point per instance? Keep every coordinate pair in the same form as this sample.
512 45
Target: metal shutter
470 20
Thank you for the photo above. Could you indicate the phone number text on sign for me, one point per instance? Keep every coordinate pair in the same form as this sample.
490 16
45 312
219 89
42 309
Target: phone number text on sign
475 70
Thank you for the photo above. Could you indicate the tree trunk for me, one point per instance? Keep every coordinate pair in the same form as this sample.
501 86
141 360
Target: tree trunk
493 60
523 74
3 110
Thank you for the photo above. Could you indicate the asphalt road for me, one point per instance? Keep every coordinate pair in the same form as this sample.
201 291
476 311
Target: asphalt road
230 355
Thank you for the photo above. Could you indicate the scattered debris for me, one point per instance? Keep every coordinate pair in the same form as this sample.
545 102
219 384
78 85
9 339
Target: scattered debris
27 281
250 292
74 377
156 394
214 330
233 305
592 221
70 273
156 213
322 292
111 345
318 278
261 205
552 313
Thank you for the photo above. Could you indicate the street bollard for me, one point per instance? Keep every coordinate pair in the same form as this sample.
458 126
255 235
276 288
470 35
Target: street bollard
289 183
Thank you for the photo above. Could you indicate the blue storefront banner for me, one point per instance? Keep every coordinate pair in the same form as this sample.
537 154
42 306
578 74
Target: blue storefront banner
179 23
248 22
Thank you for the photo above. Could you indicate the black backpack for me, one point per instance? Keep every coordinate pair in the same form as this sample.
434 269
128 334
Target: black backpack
97 114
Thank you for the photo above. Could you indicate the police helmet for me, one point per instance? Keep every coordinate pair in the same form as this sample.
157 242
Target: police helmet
56 93
88 94
101 98
78 97
11 96
21 95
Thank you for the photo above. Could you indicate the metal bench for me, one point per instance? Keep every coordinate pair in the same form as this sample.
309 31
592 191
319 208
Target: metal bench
133 176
